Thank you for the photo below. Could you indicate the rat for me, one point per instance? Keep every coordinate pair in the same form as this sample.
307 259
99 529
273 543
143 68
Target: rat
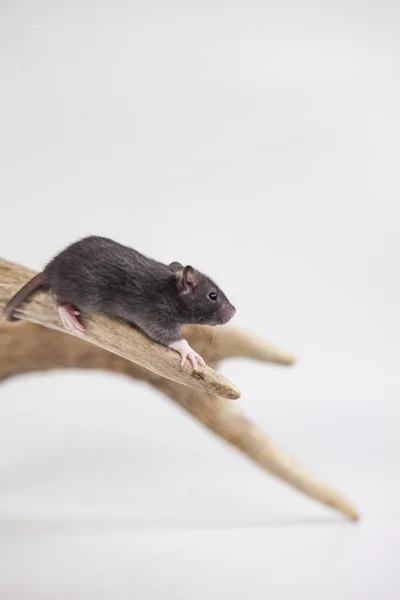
97 274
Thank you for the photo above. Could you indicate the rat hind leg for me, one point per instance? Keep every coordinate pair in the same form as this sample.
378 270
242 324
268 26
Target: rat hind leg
68 314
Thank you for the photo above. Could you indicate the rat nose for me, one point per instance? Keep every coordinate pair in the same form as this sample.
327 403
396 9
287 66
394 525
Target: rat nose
233 311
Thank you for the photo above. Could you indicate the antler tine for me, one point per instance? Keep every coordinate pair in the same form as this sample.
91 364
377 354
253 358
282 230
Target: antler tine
230 342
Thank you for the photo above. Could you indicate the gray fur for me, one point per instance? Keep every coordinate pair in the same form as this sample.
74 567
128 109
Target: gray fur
96 274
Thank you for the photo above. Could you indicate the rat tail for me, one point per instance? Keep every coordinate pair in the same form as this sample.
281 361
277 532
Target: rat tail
31 286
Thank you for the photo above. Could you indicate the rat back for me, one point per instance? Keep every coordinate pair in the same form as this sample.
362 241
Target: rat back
97 274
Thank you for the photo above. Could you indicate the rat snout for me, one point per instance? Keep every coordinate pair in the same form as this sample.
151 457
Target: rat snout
227 314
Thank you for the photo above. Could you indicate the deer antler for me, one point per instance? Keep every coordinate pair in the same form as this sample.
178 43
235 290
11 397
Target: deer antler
116 347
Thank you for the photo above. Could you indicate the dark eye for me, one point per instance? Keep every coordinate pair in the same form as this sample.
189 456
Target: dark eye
212 296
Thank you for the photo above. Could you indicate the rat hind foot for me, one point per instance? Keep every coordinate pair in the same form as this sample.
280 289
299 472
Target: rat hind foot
69 319
186 351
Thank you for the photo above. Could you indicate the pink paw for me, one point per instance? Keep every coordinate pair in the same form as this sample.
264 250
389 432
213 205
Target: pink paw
187 352
69 319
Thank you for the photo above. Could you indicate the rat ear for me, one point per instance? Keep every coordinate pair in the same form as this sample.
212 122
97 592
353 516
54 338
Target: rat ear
175 266
186 279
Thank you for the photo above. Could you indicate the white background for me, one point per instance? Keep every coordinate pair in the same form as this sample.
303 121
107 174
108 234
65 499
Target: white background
260 142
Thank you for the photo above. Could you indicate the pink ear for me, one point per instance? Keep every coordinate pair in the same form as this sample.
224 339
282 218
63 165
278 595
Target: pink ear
189 275
187 279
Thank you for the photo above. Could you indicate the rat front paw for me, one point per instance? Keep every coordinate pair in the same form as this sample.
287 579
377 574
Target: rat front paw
186 351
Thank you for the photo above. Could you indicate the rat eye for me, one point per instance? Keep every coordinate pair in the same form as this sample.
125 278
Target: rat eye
212 296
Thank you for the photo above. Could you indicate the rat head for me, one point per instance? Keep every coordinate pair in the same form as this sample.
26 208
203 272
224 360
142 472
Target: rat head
201 299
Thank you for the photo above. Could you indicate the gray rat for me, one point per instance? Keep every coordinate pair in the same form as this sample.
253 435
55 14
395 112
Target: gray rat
97 274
